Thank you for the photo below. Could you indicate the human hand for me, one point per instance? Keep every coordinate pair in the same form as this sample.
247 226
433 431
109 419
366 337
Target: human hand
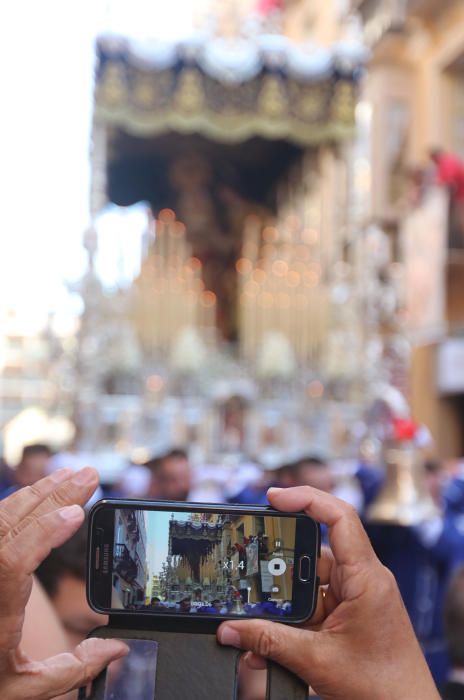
359 644
34 520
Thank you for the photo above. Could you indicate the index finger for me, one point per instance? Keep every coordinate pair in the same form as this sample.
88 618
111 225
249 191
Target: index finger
76 489
348 539
21 503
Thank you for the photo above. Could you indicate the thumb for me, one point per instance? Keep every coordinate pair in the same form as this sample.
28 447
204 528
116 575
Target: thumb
291 647
58 674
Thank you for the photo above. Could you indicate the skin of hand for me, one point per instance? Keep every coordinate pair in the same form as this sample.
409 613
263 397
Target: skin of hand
33 520
359 644
40 615
252 683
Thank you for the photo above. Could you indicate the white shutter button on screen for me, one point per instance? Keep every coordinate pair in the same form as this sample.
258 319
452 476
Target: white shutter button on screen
277 566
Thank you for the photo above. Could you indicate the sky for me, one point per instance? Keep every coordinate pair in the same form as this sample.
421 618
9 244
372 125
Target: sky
46 82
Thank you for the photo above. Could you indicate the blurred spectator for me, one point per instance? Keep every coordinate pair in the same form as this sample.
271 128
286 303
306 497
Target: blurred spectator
422 559
285 476
314 471
32 467
450 173
435 478
454 500
135 482
6 476
318 473
153 466
308 471
174 476
252 494
62 575
454 625
255 492
370 480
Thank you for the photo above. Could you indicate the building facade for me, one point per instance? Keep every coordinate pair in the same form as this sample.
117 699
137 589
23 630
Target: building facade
413 98
254 541
130 568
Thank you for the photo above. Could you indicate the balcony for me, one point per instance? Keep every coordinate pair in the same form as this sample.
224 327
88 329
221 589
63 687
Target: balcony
133 526
131 521
387 17
124 564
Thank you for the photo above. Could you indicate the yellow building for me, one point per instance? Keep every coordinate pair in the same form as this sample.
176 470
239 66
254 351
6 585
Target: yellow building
276 538
414 100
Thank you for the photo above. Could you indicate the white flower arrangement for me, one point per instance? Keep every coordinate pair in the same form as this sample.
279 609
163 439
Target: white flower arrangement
276 358
188 351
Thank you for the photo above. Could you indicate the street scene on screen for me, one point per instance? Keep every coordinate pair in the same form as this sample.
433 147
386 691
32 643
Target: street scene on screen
202 563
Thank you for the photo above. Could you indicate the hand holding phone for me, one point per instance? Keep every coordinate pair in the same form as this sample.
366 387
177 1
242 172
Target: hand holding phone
178 559
360 642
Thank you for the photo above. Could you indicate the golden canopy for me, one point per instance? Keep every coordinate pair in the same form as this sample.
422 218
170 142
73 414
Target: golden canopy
222 90
227 90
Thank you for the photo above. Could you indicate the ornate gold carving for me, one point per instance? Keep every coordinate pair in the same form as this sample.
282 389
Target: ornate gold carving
271 106
343 103
309 104
189 96
112 85
144 91
271 99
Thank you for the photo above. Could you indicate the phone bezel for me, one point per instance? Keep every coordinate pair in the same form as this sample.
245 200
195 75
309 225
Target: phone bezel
307 542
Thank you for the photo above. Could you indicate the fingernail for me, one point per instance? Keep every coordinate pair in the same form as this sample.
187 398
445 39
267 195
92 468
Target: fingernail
71 513
84 477
273 489
122 650
229 637
61 475
255 662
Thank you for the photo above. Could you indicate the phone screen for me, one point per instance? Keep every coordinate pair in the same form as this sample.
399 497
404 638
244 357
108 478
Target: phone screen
205 563
133 676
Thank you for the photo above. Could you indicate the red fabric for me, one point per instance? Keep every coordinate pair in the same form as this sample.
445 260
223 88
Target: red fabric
267 6
450 172
404 430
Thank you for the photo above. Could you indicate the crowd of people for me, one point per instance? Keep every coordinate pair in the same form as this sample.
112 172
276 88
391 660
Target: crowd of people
425 560
233 604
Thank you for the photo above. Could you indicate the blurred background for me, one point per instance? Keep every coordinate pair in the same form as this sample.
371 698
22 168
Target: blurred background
232 254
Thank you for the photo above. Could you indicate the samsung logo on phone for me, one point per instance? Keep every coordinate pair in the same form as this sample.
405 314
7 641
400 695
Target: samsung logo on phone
106 559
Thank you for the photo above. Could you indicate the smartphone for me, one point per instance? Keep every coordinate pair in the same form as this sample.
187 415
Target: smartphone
193 559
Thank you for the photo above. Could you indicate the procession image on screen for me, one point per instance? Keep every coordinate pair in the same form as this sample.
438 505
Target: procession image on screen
202 563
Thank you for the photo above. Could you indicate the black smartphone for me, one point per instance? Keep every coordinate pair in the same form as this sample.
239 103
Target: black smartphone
219 561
